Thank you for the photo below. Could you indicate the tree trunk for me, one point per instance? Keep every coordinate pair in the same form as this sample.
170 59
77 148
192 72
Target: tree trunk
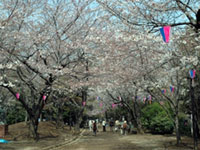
26 118
59 119
178 137
79 118
139 126
70 121
77 125
194 116
78 122
33 128
136 117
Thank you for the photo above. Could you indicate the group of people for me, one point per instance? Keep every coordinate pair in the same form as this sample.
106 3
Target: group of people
116 126
122 126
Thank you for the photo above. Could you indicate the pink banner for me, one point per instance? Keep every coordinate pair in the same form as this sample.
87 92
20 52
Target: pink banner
113 105
167 33
101 104
17 95
44 97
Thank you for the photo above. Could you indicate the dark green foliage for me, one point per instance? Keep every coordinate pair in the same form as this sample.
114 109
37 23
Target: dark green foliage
161 124
15 114
69 114
117 113
155 119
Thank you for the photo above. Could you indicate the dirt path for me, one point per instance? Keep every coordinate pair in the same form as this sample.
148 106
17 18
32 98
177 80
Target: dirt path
103 141
115 141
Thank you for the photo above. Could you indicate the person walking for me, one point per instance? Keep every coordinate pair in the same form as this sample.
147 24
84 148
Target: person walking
117 125
125 126
95 128
90 125
104 125
97 123
111 125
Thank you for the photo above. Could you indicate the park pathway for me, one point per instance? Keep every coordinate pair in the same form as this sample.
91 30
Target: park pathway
112 141
102 141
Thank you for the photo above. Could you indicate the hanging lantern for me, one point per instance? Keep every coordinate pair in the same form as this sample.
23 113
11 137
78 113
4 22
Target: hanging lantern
17 95
172 88
113 105
98 98
163 91
101 104
44 97
192 75
165 32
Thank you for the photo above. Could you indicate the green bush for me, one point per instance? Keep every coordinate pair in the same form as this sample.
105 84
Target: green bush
155 119
161 124
15 114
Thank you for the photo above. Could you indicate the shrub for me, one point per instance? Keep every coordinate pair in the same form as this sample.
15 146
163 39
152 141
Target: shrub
161 125
155 119
15 114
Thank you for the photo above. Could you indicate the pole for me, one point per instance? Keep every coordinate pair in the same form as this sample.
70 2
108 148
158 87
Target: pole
194 116
191 125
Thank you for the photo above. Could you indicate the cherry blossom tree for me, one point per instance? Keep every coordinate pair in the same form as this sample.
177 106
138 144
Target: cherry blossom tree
40 43
154 14
150 16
